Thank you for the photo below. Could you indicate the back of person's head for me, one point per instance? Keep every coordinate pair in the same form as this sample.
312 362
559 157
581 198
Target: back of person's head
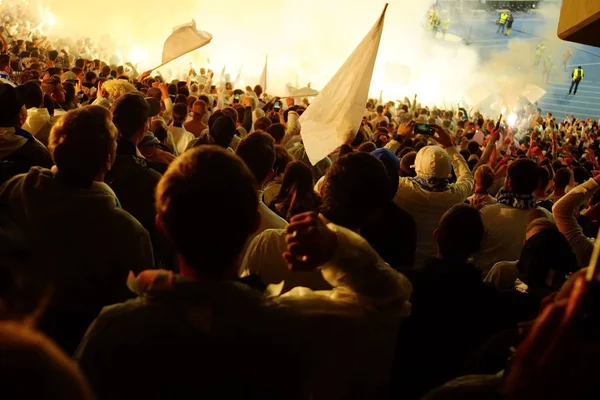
80 63
262 124
355 190
231 113
180 112
473 147
345 149
258 152
159 129
11 106
367 147
212 179
484 177
222 131
258 90
580 175
277 131
154 92
562 178
407 168
90 76
69 92
460 233
32 94
82 144
33 367
282 159
379 109
543 179
52 55
546 258
522 177
181 98
130 114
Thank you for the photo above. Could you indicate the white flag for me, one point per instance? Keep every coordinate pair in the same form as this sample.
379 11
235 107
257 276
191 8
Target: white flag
334 117
184 39
263 77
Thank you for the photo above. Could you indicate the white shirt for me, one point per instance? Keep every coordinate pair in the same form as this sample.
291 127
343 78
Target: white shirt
36 119
181 137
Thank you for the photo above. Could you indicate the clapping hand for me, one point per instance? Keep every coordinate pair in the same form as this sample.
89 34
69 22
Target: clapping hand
310 243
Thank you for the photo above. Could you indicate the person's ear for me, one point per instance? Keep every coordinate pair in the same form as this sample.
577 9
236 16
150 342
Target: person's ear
436 235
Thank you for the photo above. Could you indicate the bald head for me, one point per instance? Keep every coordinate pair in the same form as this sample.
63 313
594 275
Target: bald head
199 107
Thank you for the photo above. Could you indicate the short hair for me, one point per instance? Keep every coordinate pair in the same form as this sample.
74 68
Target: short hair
117 88
181 98
159 129
180 112
231 113
562 178
32 94
356 185
81 142
523 177
80 63
191 100
154 92
212 179
258 152
460 233
130 113
52 55
473 147
10 103
282 159
379 109
485 176
90 76
543 178
262 124
580 175
367 147
105 70
277 131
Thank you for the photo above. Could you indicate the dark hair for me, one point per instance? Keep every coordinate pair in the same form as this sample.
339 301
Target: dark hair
562 178
379 109
159 130
181 98
69 92
172 89
52 55
80 143
580 175
258 152
473 148
277 131
80 63
49 104
31 94
180 112
356 187
358 139
282 159
543 178
297 193
262 124
10 104
231 113
522 174
460 233
367 147
154 92
214 181
345 149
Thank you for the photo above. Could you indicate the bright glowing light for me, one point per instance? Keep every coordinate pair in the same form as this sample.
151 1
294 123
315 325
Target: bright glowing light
137 55
50 19
512 119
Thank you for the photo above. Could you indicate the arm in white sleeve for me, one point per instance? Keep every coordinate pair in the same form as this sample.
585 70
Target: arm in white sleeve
168 109
464 178
393 146
292 127
564 215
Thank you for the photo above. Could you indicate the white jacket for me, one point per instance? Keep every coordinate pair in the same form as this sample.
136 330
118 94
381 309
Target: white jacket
427 208
37 118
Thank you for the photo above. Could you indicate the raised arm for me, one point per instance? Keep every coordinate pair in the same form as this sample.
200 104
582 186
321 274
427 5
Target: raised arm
564 214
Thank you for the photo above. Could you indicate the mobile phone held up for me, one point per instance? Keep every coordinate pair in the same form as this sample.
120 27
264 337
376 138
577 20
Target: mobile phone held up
424 129
277 105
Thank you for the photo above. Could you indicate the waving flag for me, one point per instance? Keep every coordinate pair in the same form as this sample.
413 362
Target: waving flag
334 117
262 81
184 39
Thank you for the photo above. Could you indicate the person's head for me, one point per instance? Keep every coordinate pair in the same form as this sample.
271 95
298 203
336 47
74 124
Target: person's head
154 92
433 162
258 152
105 71
407 163
90 77
83 145
53 87
392 167
522 177
543 182
222 131
116 88
277 131
215 180
5 63
190 102
159 128
12 104
296 188
580 175
199 108
546 258
282 159
180 112
484 178
379 110
258 90
130 115
80 63
70 95
367 147
32 95
181 98
459 234
473 147
231 113
52 55
345 149
562 178
30 357
262 124
355 190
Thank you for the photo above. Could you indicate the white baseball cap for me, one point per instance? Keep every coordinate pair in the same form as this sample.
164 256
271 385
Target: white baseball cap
433 162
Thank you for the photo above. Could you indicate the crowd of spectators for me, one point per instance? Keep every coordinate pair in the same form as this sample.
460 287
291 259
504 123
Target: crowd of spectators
172 240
